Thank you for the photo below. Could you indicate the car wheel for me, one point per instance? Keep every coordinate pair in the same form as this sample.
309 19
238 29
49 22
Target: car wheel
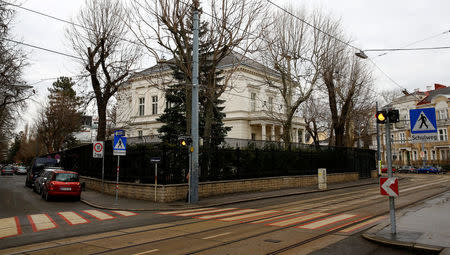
47 196
428 172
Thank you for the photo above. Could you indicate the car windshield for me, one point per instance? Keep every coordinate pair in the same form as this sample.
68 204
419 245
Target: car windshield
46 162
66 177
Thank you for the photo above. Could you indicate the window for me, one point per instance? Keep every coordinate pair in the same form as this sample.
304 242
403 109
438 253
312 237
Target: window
253 102
253 136
140 133
442 114
270 103
141 106
154 104
300 136
414 155
425 154
442 134
433 155
402 137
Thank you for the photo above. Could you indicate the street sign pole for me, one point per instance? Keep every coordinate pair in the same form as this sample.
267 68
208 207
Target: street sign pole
389 170
378 146
117 180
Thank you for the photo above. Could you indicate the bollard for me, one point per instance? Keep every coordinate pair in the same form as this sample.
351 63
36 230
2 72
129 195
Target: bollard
322 178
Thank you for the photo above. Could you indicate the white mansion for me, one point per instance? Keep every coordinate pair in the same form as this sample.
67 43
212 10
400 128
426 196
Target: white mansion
250 105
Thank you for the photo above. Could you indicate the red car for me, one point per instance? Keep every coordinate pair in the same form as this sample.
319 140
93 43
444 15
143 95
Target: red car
62 183
384 170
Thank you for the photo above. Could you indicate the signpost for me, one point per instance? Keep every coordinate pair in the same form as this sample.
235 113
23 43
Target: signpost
119 149
389 186
423 125
156 160
99 152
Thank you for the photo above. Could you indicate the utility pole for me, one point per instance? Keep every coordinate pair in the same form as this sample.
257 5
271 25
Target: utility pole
389 170
193 178
378 146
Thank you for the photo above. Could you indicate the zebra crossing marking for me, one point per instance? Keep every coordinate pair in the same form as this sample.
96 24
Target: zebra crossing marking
42 221
99 215
348 223
185 211
73 218
327 221
10 227
220 215
362 224
295 220
276 218
124 213
205 212
255 215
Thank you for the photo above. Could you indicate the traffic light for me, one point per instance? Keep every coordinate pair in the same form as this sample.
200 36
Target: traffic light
184 141
394 116
381 116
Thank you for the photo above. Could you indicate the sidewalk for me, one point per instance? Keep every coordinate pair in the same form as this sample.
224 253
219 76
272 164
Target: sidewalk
425 227
104 201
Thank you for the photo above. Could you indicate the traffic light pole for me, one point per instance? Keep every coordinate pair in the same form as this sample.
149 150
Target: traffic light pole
193 178
389 170
378 146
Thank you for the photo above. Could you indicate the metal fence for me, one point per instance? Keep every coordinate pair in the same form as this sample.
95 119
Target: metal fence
224 163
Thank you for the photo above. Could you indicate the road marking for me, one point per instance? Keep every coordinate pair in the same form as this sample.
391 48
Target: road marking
205 212
73 218
362 224
99 215
124 213
41 222
220 215
247 216
183 211
276 218
146 252
421 186
348 223
327 221
9 227
299 219
210 237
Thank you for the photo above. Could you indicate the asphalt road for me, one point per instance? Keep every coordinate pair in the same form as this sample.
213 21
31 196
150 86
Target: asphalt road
319 223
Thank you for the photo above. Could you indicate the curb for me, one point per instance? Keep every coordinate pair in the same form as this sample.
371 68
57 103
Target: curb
226 203
401 244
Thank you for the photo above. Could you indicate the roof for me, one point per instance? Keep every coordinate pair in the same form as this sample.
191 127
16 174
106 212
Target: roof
439 90
233 59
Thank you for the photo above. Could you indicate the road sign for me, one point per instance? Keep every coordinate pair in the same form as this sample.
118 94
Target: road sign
119 132
155 159
97 149
423 125
120 146
389 186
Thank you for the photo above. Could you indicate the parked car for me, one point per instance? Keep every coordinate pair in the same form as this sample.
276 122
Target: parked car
406 169
61 183
21 170
36 166
427 170
42 177
384 170
7 170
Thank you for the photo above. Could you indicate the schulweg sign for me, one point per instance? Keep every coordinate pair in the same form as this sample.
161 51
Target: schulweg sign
423 125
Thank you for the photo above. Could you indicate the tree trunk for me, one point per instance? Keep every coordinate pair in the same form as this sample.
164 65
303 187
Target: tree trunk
101 130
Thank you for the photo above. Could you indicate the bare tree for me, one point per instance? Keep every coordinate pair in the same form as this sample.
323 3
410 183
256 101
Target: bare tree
13 90
346 80
99 39
291 48
316 117
228 25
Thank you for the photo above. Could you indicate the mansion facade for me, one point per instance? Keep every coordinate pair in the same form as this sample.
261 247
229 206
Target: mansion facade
252 108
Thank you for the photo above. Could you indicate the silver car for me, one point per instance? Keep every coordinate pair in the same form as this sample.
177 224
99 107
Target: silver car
43 175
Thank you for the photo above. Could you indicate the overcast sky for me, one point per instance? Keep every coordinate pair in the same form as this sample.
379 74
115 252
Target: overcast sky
372 24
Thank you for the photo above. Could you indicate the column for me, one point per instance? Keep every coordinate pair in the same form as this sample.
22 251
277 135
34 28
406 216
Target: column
273 133
263 132
281 133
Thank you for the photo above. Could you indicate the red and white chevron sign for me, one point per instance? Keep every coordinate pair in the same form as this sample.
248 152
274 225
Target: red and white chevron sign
389 186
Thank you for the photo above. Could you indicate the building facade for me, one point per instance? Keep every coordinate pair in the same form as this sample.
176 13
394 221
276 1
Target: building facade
405 152
252 109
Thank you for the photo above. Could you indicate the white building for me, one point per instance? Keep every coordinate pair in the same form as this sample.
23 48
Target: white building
250 106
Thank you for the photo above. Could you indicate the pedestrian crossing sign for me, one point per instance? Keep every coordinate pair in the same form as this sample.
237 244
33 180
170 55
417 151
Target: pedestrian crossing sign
120 146
423 125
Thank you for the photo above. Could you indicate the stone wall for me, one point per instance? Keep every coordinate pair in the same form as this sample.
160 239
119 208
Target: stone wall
174 192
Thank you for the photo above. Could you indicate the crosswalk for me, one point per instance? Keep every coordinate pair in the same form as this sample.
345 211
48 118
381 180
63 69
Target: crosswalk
347 223
12 226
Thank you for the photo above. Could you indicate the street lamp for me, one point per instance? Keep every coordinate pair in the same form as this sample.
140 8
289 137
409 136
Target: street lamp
361 54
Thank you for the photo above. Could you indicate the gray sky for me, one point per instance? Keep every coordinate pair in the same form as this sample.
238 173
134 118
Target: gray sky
372 24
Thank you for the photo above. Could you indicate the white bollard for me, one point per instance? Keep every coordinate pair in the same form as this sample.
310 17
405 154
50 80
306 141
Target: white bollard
322 178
